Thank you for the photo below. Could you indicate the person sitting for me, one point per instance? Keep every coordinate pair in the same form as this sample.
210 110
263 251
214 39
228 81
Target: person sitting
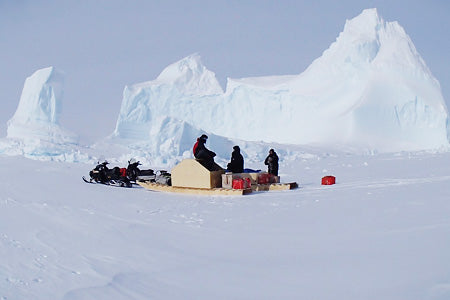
237 161
272 162
203 154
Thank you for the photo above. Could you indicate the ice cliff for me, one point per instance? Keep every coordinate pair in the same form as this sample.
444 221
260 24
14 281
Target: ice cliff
146 124
145 103
369 90
34 130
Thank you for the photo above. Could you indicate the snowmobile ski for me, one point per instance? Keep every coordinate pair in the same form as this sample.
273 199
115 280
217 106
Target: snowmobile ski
87 181
118 183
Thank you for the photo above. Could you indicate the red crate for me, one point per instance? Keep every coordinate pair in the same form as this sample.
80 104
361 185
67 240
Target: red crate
238 184
264 178
247 183
328 180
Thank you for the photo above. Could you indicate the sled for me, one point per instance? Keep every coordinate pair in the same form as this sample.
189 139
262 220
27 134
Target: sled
191 177
274 187
218 191
192 190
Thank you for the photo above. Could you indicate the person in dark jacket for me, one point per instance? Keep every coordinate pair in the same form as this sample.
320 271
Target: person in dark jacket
202 153
237 161
272 162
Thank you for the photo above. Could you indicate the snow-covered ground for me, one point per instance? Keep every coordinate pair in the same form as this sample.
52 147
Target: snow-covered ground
382 232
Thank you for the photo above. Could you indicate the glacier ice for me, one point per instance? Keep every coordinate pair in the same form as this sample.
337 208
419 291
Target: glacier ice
370 89
39 109
143 126
34 130
145 103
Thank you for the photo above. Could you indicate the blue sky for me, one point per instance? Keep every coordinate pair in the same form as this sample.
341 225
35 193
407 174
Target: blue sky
104 45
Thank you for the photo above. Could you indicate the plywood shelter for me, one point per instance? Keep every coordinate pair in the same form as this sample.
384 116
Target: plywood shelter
192 174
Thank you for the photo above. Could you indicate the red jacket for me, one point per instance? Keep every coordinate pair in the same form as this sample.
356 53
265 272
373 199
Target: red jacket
195 147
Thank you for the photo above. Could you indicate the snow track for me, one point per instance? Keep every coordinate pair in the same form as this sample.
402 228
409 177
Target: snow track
377 184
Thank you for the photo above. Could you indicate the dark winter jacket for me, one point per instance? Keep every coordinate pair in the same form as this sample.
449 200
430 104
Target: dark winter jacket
272 163
201 152
237 162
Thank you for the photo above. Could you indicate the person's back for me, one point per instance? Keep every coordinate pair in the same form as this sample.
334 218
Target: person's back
237 161
196 148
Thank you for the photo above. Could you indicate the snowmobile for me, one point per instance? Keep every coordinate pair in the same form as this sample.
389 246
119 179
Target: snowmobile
102 174
163 177
135 174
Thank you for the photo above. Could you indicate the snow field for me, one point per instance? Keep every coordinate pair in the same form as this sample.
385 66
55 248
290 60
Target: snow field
379 233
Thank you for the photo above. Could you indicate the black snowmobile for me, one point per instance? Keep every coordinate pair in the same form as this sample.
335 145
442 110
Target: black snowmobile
135 174
104 175
163 177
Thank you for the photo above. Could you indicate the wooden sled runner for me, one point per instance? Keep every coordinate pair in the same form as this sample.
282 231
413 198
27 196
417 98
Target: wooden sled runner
196 191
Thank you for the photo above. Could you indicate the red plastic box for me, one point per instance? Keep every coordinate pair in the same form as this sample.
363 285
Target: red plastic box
241 183
238 184
264 178
328 180
247 183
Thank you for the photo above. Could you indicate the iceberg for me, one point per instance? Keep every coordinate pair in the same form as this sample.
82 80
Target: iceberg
369 90
34 129
151 130
375 90
147 102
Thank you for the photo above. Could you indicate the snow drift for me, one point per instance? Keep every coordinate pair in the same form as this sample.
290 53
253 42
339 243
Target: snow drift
369 90
34 130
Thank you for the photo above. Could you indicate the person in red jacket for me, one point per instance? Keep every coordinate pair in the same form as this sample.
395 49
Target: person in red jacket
203 154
